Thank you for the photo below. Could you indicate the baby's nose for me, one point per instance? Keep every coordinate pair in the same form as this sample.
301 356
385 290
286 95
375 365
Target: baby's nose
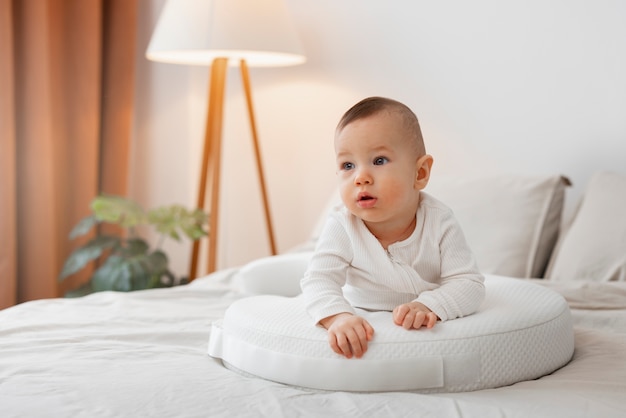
363 177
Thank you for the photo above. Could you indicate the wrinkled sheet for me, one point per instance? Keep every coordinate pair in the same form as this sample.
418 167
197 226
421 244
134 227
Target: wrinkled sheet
144 354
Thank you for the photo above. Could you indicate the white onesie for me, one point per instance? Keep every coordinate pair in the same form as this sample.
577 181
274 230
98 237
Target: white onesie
434 266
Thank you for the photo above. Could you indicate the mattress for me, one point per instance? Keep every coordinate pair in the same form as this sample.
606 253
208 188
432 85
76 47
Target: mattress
522 331
143 353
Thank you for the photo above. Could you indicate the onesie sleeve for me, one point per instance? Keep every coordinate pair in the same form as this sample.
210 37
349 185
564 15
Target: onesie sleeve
323 281
461 290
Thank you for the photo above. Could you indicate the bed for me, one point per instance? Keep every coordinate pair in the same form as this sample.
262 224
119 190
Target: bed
144 353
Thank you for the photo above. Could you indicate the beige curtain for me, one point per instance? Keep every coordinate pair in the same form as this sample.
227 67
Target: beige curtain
66 103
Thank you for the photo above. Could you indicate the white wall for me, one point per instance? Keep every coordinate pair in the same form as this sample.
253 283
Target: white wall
532 87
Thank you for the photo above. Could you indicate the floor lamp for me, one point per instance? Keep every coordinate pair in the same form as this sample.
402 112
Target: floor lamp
219 33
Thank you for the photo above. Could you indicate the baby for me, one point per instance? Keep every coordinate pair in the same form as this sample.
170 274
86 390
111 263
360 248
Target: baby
391 247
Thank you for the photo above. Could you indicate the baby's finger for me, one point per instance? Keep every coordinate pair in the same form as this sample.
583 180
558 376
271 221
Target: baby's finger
344 346
430 320
332 340
410 319
356 343
399 314
369 330
420 318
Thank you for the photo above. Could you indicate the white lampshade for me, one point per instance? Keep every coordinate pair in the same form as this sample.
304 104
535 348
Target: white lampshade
197 31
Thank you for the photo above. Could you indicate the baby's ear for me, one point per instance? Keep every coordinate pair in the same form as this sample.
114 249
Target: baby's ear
422 171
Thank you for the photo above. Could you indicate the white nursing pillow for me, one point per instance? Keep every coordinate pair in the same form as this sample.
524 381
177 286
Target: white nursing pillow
275 275
522 331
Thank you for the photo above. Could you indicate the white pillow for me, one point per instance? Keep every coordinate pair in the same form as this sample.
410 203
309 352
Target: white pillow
275 275
511 222
594 246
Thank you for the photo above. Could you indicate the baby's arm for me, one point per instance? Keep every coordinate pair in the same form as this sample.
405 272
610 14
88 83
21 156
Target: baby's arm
348 334
414 315
461 289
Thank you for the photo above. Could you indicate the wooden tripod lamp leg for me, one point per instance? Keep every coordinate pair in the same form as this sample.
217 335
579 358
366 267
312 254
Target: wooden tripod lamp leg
257 152
211 159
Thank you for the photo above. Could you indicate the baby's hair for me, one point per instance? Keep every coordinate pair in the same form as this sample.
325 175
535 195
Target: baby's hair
373 105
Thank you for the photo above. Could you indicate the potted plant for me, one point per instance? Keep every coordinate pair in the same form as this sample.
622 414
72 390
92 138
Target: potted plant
126 261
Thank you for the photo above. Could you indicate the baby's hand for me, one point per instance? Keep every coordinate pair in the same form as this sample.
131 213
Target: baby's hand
348 334
414 315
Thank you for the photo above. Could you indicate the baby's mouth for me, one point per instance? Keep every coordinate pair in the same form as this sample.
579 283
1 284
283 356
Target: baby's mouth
365 200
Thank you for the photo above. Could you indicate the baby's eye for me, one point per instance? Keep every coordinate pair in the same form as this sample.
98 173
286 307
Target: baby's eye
347 166
380 160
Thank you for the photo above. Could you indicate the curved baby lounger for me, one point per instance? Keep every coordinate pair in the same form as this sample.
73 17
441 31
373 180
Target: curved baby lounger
522 331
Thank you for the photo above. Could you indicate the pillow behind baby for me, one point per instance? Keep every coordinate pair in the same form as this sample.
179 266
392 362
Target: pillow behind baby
594 246
511 222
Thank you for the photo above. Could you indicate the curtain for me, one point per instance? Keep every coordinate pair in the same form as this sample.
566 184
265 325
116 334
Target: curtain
66 105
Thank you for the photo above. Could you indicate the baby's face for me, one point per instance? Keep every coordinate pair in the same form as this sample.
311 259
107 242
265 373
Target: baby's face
377 168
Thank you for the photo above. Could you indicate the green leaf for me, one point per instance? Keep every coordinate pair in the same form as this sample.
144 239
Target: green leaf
88 252
83 226
166 220
155 265
158 261
124 282
194 224
113 275
130 265
118 210
175 219
135 247
125 271
140 273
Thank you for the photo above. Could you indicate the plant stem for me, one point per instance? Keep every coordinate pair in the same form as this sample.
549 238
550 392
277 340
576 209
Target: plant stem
162 238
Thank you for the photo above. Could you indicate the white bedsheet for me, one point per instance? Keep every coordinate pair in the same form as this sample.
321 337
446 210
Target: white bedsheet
143 354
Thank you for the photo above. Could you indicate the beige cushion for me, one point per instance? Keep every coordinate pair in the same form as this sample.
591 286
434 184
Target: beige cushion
594 246
511 222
